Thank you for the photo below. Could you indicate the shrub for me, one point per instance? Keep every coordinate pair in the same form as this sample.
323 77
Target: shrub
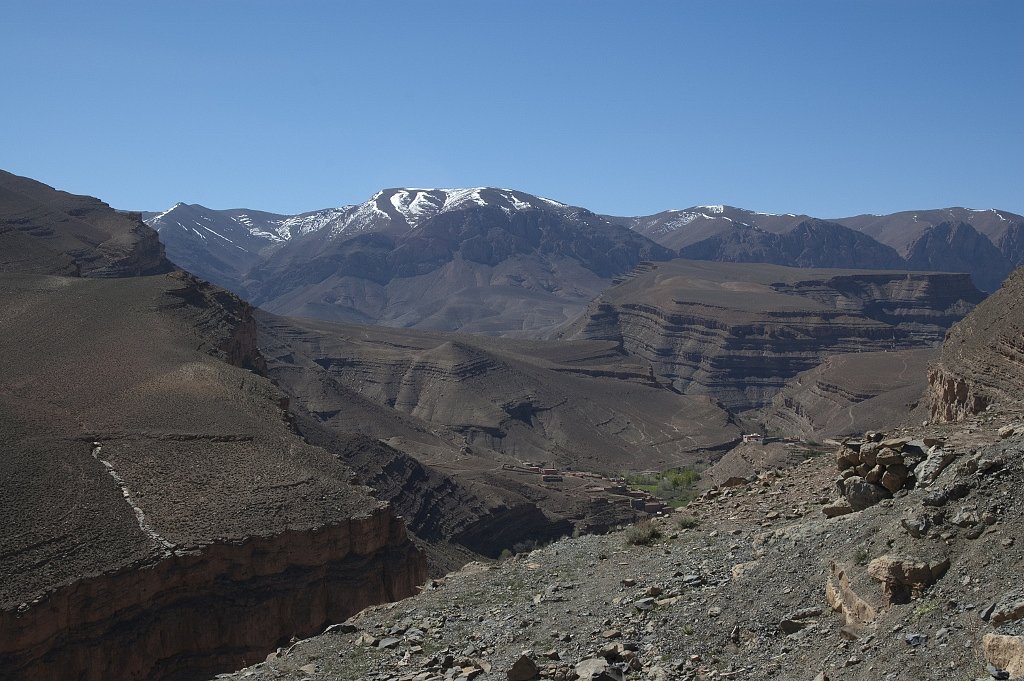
643 533
687 522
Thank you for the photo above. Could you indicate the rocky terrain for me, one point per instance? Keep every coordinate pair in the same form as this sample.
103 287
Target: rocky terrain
463 417
196 481
893 555
982 362
852 392
162 518
751 581
739 332
45 231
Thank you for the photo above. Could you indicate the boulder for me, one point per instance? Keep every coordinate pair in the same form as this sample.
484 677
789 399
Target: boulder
1010 608
916 524
927 471
598 669
903 578
837 508
869 453
1005 653
523 669
888 456
851 455
862 494
895 477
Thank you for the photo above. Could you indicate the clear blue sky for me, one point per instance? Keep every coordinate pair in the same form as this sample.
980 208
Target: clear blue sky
825 107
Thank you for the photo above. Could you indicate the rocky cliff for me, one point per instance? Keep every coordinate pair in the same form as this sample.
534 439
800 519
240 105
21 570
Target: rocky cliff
739 332
982 358
219 606
164 504
46 231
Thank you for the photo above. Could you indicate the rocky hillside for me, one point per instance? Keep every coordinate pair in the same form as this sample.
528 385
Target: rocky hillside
466 416
738 332
157 498
982 359
850 393
218 245
750 581
45 231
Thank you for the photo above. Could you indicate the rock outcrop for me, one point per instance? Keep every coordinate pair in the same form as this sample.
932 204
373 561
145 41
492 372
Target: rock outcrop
46 231
982 359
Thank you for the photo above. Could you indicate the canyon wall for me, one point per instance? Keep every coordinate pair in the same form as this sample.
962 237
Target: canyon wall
982 358
738 333
221 606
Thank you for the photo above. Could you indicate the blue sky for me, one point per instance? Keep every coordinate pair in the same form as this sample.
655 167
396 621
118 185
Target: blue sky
826 107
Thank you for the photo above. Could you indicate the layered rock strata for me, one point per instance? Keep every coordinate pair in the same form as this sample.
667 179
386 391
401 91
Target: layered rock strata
851 393
196 612
738 333
982 359
45 231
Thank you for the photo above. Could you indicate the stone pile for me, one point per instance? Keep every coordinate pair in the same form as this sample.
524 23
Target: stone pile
873 468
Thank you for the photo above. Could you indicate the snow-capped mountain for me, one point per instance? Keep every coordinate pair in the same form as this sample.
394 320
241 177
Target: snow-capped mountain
505 261
413 257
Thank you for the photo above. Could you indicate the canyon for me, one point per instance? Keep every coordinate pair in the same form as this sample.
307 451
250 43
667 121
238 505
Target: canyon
199 480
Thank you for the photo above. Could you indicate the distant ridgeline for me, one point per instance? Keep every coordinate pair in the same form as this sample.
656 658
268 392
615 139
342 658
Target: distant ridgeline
503 262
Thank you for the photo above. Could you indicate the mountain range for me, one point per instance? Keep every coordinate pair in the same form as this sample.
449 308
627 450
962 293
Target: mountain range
504 262
197 480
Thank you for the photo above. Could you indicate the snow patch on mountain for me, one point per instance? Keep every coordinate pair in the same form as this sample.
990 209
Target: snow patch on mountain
307 223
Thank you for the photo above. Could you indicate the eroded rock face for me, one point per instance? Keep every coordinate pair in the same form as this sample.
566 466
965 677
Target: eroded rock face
1005 653
161 502
851 393
213 609
982 359
740 332
841 597
903 578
